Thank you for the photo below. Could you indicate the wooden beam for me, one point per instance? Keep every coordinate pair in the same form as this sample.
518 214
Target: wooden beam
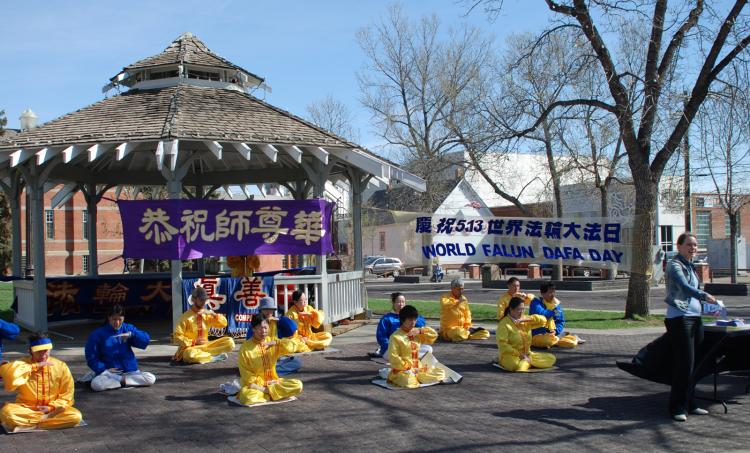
243 149
269 150
45 154
229 194
173 150
71 152
123 149
159 155
65 194
215 148
118 191
20 156
99 149
369 164
294 152
319 153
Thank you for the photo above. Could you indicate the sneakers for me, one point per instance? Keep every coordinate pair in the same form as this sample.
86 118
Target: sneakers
679 418
699 411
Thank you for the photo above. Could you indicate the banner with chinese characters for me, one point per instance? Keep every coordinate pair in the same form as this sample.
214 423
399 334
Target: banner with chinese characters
90 298
593 242
236 298
187 229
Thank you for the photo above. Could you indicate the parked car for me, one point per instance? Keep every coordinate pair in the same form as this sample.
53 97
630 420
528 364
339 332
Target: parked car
370 258
385 266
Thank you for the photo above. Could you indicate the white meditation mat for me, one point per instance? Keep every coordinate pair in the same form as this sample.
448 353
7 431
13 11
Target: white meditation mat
34 430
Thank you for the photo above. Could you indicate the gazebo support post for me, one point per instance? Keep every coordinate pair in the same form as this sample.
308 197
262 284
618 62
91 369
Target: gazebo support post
174 188
92 200
13 192
358 181
318 173
200 193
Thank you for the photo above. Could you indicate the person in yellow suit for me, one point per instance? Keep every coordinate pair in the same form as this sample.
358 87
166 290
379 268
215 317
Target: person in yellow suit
44 390
553 332
243 266
455 316
514 290
191 333
514 339
403 352
257 362
307 318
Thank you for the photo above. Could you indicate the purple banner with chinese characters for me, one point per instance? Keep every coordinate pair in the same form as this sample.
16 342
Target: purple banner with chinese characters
187 229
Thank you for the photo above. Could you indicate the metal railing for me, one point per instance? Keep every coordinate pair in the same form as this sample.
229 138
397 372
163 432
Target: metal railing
346 293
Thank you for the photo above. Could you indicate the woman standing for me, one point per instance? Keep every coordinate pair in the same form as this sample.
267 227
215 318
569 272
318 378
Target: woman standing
684 325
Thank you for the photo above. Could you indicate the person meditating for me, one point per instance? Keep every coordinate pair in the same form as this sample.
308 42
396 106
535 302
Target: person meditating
307 319
390 322
403 352
8 331
191 333
514 339
109 353
257 362
552 333
44 390
455 316
281 327
514 290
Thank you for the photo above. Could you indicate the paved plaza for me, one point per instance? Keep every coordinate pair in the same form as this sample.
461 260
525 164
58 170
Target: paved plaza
586 403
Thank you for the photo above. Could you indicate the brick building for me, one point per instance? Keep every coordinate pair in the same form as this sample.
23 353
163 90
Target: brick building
710 220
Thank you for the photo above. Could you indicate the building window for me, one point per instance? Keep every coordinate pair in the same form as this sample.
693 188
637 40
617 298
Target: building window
703 227
667 241
382 241
85 220
86 265
49 220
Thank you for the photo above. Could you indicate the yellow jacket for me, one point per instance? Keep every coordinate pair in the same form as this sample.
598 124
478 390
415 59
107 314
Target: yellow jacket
39 386
454 312
515 338
194 325
307 323
258 363
403 350
504 300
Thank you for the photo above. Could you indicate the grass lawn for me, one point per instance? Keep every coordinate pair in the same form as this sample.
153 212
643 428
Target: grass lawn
6 299
582 319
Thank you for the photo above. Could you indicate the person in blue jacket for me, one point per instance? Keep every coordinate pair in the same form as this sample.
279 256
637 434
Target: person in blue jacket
390 323
8 331
109 353
553 333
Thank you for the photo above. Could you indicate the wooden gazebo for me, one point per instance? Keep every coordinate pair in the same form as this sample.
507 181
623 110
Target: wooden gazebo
181 118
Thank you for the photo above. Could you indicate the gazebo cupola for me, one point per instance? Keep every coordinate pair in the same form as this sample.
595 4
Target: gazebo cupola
187 61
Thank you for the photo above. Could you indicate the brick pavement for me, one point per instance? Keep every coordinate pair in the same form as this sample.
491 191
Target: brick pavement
585 404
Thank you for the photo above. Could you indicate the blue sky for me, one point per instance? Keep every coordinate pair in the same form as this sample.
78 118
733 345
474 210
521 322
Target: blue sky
58 54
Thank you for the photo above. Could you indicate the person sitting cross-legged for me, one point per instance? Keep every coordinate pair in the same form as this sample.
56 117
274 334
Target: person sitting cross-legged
403 352
551 334
109 353
514 340
44 390
257 358
191 333
281 327
455 316
514 290
390 322
307 319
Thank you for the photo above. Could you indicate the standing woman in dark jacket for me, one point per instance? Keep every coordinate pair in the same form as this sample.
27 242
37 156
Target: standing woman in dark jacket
684 325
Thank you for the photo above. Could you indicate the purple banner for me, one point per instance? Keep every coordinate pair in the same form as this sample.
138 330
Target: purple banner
187 229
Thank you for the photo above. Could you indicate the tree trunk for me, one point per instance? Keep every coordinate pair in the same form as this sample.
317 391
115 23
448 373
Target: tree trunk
557 269
639 287
733 244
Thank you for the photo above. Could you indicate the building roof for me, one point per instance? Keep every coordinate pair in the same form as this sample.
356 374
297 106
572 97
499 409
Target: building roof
180 112
186 49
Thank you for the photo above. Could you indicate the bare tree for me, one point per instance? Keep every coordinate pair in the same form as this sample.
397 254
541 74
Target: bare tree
333 116
408 84
6 243
719 34
722 124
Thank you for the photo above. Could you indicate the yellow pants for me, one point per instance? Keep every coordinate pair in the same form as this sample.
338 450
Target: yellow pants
536 360
547 340
204 352
284 388
14 416
408 379
456 334
317 341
